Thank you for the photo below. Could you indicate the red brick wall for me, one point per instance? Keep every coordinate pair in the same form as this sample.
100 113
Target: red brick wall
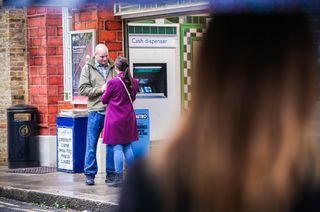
108 27
45 55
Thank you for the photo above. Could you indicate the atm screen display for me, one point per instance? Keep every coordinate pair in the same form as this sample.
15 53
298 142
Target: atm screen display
152 79
143 81
150 69
147 89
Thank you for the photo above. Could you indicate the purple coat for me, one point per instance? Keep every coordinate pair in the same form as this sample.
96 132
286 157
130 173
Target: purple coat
120 124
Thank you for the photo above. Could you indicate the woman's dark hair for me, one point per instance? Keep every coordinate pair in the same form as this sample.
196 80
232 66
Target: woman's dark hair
122 64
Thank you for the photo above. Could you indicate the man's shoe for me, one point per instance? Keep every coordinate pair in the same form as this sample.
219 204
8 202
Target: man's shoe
89 179
110 177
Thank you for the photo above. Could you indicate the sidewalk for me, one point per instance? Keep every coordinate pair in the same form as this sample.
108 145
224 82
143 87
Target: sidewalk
65 188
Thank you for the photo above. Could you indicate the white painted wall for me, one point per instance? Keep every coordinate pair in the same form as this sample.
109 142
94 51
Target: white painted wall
47 150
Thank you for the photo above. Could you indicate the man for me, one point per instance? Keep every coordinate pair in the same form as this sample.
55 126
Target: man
93 78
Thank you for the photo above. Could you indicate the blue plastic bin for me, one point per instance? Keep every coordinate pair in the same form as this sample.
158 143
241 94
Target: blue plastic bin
71 143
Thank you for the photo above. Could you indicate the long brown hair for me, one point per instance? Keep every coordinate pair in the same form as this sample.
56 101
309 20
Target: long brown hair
244 145
122 64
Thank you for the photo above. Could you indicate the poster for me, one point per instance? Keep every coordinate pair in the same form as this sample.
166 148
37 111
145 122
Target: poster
65 147
82 49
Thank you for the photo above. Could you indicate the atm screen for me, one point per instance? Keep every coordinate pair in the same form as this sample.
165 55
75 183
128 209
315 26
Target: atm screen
147 89
152 79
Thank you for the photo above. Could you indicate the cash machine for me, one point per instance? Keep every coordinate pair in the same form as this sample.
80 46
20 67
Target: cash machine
152 79
154 62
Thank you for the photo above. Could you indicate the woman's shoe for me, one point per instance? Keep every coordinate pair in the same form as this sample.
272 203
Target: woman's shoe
118 180
110 177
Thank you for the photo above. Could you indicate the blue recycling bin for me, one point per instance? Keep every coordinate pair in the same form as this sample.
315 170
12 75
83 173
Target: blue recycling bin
71 143
140 148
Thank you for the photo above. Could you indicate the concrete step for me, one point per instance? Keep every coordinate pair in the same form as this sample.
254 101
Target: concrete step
64 188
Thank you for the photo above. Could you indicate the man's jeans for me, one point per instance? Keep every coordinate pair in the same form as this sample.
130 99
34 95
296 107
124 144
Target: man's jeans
119 150
94 128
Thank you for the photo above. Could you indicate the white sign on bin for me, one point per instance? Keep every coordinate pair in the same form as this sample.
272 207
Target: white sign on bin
65 147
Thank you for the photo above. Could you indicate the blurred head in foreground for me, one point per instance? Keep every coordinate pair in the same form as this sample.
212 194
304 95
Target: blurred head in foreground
245 145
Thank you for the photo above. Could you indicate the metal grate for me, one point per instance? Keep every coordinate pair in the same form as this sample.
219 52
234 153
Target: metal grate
34 170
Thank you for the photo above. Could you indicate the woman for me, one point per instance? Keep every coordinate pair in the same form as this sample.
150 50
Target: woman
120 126
244 145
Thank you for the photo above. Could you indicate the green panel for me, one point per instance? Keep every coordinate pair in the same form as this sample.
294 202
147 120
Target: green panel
131 29
146 30
202 20
195 20
162 30
169 30
173 20
146 21
138 30
154 30
189 19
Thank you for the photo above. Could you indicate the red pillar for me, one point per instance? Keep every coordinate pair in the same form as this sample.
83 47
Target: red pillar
45 68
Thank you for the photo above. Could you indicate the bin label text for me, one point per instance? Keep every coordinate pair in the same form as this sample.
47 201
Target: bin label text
64 136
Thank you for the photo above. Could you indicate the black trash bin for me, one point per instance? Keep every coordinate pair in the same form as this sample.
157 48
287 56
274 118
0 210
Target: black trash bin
22 128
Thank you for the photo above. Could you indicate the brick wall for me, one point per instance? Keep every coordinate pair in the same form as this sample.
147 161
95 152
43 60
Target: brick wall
13 67
108 31
108 27
45 55
18 56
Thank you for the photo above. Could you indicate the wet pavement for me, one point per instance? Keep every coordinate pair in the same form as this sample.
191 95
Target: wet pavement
64 188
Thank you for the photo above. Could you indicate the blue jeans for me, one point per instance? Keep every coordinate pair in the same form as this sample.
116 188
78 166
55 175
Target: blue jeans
94 128
118 151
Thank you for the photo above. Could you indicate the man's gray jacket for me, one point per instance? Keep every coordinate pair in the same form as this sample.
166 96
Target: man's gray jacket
91 82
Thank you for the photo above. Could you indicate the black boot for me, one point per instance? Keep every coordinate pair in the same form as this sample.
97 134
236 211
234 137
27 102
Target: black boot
110 177
117 182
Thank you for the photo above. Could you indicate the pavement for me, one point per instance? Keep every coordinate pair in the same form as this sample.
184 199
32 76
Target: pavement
59 187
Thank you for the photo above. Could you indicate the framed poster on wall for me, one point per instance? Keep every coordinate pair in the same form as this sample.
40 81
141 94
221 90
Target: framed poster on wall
82 49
